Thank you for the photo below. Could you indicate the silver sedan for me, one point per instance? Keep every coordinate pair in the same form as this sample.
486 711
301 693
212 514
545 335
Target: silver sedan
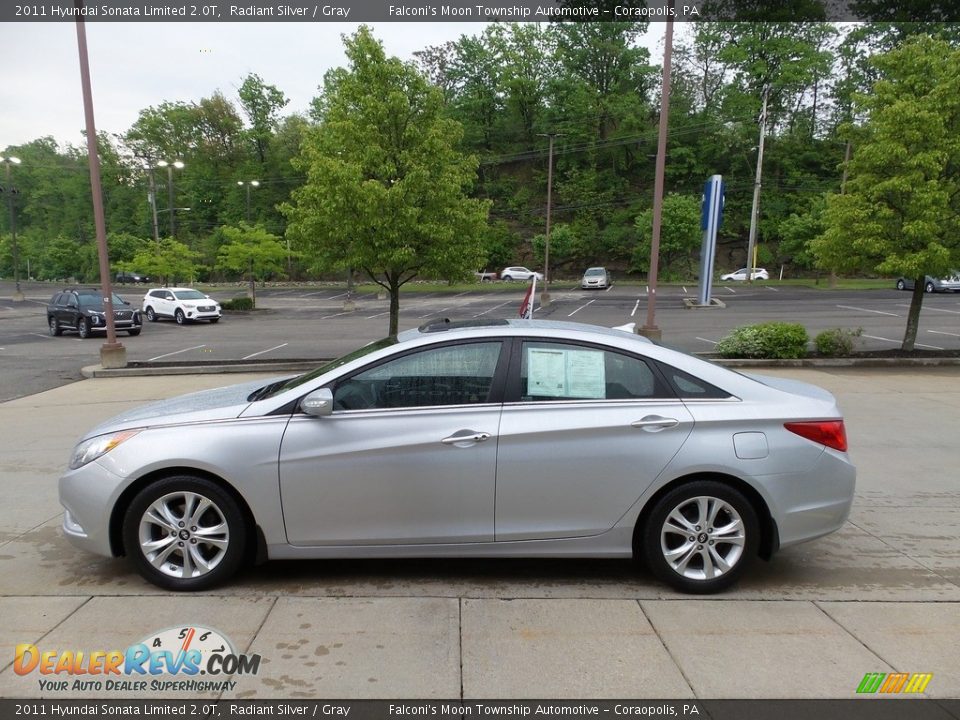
493 438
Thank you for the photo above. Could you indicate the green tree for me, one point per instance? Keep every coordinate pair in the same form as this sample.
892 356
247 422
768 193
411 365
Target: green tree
386 185
252 251
680 236
169 260
262 104
901 210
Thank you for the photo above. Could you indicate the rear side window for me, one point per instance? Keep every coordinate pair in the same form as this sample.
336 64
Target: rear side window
561 371
689 387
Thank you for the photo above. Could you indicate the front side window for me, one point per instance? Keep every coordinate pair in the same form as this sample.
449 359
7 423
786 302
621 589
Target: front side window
459 374
560 371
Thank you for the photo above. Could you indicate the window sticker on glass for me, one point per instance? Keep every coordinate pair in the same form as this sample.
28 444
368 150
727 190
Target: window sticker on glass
565 373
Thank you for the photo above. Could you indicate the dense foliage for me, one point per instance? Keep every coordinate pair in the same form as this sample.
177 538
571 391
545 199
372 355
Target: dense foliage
765 341
348 187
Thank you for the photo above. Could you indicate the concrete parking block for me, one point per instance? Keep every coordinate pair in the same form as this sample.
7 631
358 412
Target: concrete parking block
564 649
910 637
27 619
357 648
112 623
743 649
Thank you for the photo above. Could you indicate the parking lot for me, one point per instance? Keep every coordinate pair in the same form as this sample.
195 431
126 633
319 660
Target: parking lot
881 595
311 323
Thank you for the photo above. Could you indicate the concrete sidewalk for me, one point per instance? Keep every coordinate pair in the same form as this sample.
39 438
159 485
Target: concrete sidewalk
882 595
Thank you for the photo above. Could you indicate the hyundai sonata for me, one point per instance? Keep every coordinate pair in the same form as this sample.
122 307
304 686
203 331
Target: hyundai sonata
498 438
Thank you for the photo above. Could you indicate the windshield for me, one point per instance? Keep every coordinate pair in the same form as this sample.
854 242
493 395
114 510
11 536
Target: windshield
96 302
268 391
594 271
190 295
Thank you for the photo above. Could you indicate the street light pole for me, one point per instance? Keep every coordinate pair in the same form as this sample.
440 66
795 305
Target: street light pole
153 203
545 295
17 294
249 184
754 210
170 166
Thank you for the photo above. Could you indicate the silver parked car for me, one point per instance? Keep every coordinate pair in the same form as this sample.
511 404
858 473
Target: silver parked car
595 277
497 438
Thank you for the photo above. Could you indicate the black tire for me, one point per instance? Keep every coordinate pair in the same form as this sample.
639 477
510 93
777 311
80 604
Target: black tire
901 285
214 320
507 278
929 287
708 547
170 569
55 329
151 315
180 317
134 332
83 328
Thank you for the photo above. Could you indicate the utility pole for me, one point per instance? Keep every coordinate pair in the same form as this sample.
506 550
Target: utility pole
756 186
153 201
650 329
11 192
545 295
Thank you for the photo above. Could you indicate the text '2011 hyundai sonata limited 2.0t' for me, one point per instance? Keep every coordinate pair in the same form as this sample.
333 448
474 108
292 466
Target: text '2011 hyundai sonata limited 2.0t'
497 438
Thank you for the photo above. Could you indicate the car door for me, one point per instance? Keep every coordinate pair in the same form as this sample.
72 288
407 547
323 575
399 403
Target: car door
408 455
584 432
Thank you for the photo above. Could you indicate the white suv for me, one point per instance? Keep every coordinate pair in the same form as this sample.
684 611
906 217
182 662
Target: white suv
181 304
741 275
519 273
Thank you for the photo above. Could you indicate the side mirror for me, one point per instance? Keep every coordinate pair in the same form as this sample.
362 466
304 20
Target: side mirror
319 403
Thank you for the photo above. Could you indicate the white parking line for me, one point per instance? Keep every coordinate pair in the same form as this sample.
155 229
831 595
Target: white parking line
264 351
435 312
581 308
712 342
345 312
729 289
899 342
609 288
770 288
176 352
494 308
634 311
337 296
371 317
941 332
955 312
684 289
877 312
45 337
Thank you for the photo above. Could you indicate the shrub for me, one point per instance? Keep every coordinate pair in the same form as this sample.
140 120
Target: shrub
774 340
836 342
238 303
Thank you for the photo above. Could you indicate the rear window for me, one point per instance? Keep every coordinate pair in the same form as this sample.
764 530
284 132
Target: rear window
689 387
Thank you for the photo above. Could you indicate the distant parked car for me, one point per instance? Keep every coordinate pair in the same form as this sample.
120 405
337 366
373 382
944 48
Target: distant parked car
131 277
595 277
80 310
519 273
484 276
951 283
741 275
182 304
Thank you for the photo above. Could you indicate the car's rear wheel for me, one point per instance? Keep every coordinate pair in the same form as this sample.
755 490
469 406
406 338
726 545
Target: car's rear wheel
929 287
83 327
55 327
507 278
180 317
151 315
185 533
701 536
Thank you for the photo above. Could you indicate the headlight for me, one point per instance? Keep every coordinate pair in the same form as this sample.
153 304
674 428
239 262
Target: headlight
90 450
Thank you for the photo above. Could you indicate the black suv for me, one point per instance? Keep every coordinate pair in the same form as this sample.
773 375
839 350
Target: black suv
131 277
81 310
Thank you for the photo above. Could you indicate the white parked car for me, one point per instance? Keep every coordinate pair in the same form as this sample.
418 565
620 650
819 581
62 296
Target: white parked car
182 304
741 275
519 273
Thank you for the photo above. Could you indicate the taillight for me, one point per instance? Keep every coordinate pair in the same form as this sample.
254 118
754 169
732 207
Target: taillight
826 432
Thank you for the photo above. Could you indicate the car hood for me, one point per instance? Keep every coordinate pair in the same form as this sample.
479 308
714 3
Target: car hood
204 406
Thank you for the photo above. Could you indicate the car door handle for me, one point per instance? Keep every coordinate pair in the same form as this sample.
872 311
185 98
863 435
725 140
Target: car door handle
470 436
655 423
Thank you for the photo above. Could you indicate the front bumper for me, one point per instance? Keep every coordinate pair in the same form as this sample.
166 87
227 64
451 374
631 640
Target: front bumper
88 495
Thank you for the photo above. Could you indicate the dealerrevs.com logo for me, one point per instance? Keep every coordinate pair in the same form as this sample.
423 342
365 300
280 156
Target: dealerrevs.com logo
185 653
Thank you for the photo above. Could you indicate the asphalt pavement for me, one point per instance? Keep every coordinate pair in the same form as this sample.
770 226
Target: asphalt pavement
881 595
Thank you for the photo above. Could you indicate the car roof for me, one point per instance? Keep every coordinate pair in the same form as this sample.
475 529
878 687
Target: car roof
174 289
453 326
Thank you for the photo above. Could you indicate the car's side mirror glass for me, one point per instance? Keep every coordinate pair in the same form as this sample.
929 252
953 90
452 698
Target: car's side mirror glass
318 403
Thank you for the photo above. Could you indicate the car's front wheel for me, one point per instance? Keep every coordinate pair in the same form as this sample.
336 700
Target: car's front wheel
901 285
83 327
180 317
929 287
151 315
185 533
701 536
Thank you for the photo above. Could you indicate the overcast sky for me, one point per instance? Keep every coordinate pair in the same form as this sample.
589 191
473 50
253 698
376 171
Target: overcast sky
136 65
